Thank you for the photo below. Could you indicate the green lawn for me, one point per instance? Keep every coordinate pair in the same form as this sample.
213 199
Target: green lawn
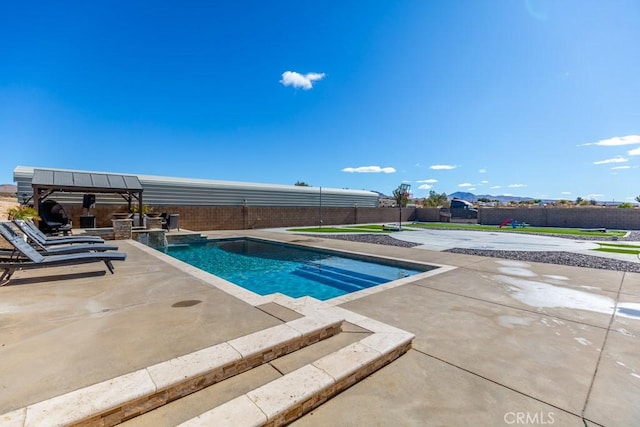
619 248
354 229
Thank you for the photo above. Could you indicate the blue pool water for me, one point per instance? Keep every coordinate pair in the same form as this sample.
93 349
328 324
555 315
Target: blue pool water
265 268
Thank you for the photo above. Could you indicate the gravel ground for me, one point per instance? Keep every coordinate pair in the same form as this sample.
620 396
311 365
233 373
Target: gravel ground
562 258
6 203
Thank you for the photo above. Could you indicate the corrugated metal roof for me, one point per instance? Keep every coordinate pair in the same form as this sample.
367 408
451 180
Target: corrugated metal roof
162 190
85 180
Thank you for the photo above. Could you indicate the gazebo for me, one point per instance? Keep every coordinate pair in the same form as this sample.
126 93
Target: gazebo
46 182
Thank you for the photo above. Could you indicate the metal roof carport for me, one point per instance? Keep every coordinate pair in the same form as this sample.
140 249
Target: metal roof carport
46 182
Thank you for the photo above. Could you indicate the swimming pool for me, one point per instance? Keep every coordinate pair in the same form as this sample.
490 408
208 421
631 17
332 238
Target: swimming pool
267 267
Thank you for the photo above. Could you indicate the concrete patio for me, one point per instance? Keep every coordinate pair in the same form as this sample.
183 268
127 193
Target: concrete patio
497 342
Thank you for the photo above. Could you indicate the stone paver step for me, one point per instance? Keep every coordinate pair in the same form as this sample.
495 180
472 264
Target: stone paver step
217 394
113 401
285 399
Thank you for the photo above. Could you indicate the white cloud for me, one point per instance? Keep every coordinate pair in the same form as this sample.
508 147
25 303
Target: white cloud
484 181
495 187
482 171
566 193
516 185
297 80
369 169
471 189
428 181
618 159
634 152
593 196
620 167
425 186
616 141
442 167
465 184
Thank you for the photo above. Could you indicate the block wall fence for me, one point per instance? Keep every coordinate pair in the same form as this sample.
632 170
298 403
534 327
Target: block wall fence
579 217
201 218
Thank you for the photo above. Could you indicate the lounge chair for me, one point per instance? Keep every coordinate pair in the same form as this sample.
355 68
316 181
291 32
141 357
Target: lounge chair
48 241
28 258
10 232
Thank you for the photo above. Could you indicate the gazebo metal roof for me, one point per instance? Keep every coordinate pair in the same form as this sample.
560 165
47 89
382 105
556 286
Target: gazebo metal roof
86 181
47 181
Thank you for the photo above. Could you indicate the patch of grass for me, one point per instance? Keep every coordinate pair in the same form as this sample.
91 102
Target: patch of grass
367 227
509 229
619 250
620 245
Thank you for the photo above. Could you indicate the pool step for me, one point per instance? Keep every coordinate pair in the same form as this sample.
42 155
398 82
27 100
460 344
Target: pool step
347 280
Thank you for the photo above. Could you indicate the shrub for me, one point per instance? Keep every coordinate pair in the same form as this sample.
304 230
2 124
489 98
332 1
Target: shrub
22 212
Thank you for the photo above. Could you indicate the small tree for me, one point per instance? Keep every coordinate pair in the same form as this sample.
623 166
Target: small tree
638 199
401 197
434 200
301 184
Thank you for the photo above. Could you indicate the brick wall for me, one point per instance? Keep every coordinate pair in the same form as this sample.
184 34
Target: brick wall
580 217
200 218
428 215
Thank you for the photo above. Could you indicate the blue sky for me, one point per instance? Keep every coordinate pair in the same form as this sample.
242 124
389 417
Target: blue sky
532 98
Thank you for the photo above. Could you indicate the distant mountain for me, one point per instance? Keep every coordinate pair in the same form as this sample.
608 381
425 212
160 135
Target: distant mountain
470 197
8 188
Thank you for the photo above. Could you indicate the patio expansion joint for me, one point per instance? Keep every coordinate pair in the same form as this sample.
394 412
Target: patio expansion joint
453 365
537 313
604 343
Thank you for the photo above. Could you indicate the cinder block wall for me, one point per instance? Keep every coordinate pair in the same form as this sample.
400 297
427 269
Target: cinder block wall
427 214
200 218
579 217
